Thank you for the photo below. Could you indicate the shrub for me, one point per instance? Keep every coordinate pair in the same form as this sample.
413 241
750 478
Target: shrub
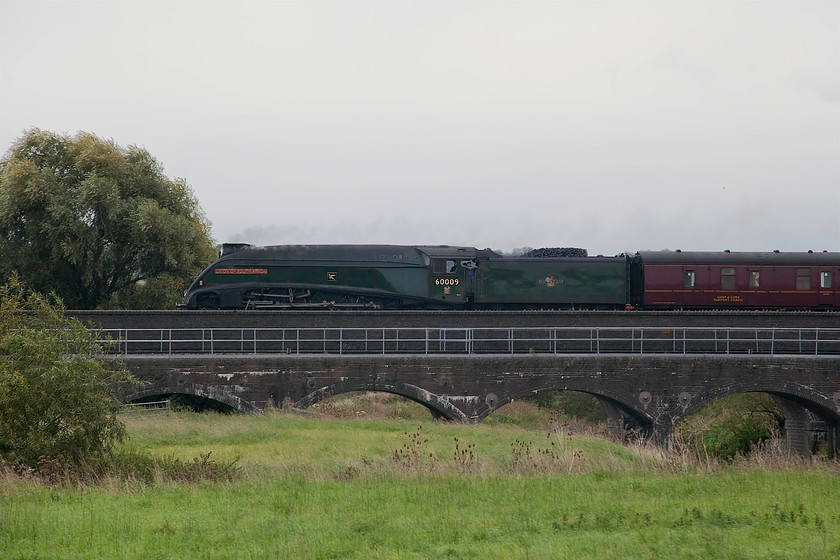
732 425
58 400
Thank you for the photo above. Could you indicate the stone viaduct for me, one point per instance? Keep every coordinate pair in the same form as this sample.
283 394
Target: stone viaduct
650 393
646 373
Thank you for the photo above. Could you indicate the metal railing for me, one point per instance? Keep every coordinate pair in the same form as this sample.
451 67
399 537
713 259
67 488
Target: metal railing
474 341
147 408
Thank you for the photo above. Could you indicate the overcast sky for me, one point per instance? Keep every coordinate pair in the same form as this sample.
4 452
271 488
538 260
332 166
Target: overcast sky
614 126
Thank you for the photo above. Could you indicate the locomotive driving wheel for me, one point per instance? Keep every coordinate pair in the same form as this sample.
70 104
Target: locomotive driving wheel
207 301
276 298
300 298
354 301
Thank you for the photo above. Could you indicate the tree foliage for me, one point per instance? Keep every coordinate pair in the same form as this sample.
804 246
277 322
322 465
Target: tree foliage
98 224
58 400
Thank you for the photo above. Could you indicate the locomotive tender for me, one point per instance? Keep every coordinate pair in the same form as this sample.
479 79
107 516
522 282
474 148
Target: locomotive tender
453 277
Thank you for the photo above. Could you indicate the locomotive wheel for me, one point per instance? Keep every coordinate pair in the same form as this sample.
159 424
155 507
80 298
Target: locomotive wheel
289 298
389 304
268 298
207 301
318 297
300 296
344 301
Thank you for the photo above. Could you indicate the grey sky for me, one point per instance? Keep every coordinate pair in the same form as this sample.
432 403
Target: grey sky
607 125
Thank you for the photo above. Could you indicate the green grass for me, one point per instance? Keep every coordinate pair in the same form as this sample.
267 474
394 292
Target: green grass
312 487
289 445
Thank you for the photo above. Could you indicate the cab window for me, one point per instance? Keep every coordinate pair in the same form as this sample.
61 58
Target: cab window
444 267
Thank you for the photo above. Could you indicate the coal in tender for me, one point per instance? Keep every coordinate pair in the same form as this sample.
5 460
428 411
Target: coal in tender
553 252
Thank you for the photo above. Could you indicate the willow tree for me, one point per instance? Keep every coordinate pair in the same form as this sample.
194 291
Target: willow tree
97 224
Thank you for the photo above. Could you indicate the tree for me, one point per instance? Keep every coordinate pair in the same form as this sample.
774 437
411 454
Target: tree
97 224
58 400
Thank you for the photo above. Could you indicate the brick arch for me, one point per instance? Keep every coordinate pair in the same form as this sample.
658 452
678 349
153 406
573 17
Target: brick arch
438 406
210 392
799 405
616 405
819 404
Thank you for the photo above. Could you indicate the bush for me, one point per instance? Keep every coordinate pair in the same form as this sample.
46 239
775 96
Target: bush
58 399
732 425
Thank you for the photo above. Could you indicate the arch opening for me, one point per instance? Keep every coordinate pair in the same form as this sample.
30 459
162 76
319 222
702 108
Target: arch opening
193 403
737 423
372 404
439 407
596 413
578 408
196 397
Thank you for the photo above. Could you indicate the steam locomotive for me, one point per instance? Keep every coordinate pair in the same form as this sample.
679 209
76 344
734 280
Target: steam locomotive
453 277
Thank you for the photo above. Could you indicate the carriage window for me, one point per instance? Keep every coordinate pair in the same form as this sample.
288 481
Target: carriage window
688 278
727 278
803 278
754 279
825 279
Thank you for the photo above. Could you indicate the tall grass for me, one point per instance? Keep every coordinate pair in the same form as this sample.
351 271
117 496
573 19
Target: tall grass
311 486
367 436
339 441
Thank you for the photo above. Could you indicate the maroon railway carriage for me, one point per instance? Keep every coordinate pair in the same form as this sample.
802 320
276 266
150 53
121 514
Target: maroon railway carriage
706 280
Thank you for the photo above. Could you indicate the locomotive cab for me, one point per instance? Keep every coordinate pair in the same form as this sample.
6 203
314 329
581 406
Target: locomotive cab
448 281
451 274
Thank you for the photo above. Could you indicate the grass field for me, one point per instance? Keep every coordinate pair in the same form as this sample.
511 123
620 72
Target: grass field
315 487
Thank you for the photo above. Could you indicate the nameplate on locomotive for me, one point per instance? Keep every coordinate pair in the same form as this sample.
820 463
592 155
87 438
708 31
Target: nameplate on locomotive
241 271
